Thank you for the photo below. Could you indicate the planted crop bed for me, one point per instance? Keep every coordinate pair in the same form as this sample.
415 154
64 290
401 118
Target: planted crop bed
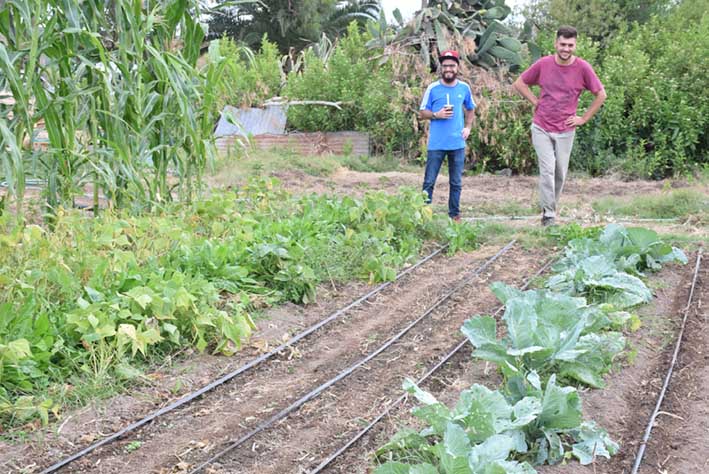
188 439
203 427
554 342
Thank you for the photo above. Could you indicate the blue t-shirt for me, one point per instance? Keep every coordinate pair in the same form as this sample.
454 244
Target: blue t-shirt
445 134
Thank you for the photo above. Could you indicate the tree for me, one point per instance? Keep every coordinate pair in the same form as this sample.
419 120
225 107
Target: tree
289 23
597 19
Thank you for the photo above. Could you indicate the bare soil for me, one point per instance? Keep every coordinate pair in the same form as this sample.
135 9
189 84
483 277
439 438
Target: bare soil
680 436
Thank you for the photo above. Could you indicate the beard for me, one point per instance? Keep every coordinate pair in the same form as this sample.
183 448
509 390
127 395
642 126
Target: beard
449 76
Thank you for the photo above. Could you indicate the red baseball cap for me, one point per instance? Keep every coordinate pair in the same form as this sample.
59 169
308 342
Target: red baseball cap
449 54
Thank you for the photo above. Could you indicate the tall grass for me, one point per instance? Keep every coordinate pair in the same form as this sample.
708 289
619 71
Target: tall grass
117 87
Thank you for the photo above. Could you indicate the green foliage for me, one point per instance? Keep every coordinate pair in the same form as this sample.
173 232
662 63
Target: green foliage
96 298
605 269
461 236
500 137
291 24
119 104
489 432
532 420
566 233
248 79
654 121
597 19
632 249
546 333
370 99
678 203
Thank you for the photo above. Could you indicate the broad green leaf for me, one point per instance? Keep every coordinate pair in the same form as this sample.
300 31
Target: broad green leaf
480 330
591 442
525 411
494 449
483 412
555 447
505 292
435 415
423 469
534 380
404 440
14 351
141 295
521 319
94 296
393 468
495 353
421 395
561 406
455 441
450 464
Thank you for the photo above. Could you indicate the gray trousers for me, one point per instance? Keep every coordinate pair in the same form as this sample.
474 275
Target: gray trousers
553 151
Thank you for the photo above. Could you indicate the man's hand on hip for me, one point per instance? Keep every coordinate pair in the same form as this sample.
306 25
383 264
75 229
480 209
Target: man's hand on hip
574 121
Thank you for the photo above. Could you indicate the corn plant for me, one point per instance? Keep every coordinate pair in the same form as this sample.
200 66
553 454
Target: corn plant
117 88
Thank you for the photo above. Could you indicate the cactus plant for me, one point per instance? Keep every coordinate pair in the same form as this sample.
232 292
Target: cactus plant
472 26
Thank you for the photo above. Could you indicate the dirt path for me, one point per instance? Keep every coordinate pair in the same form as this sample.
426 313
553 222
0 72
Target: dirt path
680 437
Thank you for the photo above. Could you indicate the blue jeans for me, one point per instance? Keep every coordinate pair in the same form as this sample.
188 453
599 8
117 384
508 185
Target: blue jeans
456 161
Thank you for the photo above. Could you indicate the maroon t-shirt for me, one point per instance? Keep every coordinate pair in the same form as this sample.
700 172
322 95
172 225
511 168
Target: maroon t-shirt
561 87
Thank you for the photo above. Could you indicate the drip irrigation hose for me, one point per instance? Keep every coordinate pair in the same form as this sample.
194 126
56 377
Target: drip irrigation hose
399 400
661 397
249 365
522 218
348 371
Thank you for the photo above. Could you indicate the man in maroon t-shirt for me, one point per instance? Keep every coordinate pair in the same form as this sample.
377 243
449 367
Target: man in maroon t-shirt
562 77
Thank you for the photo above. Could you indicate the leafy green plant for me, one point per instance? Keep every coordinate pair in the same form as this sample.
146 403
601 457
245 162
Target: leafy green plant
565 233
370 99
547 333
487 432
249 78
632 249
96 299
121 105
598 278
651 132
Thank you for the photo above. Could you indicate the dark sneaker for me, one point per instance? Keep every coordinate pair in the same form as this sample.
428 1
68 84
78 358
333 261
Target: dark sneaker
547 221
456 218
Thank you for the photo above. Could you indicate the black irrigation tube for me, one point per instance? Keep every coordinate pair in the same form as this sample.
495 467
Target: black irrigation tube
249 365
661 397
399 400
348 371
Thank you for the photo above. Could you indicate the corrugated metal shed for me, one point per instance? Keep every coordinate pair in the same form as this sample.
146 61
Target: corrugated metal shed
252 121
317 143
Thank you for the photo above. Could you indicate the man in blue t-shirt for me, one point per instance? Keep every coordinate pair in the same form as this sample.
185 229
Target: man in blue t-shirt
443 104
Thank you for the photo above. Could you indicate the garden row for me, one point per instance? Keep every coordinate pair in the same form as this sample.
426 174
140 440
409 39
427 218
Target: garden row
96 299
567 333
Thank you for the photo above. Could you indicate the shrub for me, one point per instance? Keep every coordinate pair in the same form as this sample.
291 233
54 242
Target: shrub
370 98
249 79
